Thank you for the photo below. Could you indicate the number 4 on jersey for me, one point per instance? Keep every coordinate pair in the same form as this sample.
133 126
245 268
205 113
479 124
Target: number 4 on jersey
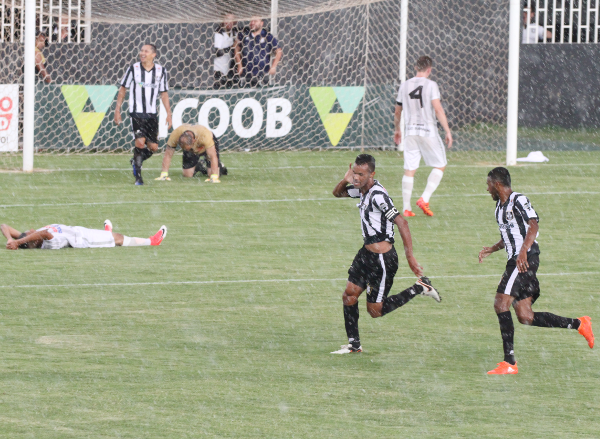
417 94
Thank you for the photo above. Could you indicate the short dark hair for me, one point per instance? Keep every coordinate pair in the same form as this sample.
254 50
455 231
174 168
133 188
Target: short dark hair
423 63
187 138
26 245
366 159
531 6
500 175
153 48
39 33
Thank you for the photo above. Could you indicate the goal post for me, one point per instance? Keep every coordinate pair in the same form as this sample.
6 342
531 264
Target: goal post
403 47
335 87
29 86
512 114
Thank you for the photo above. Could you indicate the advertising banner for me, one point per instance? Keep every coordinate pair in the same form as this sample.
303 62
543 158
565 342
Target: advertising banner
9 117
81 117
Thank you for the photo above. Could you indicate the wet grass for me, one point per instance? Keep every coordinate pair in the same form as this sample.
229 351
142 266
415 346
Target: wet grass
129 342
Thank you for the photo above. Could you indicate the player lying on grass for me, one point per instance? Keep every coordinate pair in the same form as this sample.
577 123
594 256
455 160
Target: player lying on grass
375 265
57 236
196 142
519 286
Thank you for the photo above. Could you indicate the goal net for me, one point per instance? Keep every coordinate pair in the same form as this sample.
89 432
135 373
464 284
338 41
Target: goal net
335 85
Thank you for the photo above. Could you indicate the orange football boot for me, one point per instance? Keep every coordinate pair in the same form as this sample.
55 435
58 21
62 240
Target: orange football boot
159 236
408 213
425 206
505 368
585 329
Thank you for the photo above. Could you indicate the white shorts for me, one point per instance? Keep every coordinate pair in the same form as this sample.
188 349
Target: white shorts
93 238
431 148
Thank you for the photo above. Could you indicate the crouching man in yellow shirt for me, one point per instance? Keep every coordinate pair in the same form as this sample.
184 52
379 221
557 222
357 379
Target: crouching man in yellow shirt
196 141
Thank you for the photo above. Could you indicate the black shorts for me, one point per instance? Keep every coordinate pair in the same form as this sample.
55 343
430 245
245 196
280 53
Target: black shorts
375 272
144 128
191 159
521 285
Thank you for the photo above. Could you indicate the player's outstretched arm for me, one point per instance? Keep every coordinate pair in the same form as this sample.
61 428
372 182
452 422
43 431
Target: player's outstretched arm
120 99
164 97
166 163
9 233
397 132
278 55
211 153
441 116
402 225
36 236
522 264
238 58
340 189
486 251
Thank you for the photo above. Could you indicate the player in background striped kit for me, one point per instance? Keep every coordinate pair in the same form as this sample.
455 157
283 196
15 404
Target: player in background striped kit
519 286
146 80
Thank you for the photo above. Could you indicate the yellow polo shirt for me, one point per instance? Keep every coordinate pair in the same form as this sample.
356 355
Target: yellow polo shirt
204 137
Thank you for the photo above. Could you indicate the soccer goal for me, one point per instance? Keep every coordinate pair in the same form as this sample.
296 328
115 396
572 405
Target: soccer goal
334 87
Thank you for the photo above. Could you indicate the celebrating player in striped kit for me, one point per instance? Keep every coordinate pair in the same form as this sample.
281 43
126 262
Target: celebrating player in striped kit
145 80
57 236
419 98
376 263
518 224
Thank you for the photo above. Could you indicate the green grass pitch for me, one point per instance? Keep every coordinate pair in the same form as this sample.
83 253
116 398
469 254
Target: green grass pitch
224 331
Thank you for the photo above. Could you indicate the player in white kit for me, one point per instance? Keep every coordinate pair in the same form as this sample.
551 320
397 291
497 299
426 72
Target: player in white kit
419 98
57 236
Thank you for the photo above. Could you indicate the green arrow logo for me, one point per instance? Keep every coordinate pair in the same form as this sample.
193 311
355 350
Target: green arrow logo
101 96
336 123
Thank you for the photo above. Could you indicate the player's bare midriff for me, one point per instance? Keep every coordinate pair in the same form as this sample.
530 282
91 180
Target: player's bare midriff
379 247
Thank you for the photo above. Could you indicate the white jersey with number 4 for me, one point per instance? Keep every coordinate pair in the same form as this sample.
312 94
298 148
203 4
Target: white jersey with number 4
76 237
415 96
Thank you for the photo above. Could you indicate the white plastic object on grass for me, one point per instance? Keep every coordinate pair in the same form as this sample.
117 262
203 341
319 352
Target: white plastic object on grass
535 157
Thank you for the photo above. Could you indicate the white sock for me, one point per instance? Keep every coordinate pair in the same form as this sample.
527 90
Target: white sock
407 187
135 242
433 181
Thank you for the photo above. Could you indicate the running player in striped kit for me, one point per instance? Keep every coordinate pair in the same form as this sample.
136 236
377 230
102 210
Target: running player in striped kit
57 236
419 99
375 265
519 287
145 80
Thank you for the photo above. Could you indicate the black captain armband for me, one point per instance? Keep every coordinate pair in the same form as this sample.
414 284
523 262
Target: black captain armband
392 214
398 103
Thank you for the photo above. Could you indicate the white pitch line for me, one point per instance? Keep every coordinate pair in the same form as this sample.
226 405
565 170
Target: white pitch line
283 200
260 168
531 193
289 200
213 282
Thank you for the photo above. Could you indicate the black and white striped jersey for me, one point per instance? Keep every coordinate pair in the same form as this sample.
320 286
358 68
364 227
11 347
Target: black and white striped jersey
144 88
377 213
512 218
